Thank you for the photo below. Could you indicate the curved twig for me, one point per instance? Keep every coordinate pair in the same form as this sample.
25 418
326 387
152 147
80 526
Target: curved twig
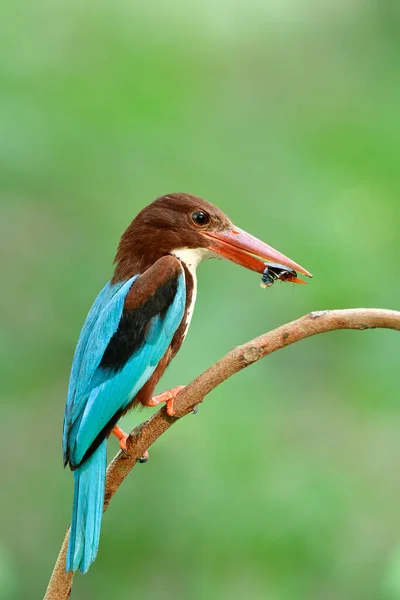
143 436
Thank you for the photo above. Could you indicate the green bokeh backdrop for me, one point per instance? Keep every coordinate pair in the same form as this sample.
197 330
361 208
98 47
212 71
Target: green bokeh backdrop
285 113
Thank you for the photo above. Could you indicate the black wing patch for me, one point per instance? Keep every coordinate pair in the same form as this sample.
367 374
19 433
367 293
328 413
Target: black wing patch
131 331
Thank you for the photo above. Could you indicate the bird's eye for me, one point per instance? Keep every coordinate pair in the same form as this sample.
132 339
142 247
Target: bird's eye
200 218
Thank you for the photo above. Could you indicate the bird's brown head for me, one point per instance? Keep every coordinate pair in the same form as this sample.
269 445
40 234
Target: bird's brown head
192 229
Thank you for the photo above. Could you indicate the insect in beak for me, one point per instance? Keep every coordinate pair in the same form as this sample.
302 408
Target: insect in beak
275 271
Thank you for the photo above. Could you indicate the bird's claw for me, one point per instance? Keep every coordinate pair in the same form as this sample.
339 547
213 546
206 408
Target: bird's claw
169 407
167 397
143 459
122 437
123 447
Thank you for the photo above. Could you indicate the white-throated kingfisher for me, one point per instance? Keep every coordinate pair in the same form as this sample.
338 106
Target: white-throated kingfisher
135 327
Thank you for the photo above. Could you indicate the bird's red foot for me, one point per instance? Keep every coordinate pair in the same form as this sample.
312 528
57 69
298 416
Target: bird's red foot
167 397
122 436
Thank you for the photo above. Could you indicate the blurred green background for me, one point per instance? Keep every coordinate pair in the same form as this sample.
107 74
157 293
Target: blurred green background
285 113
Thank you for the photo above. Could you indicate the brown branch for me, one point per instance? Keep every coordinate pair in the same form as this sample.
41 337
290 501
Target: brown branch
143 436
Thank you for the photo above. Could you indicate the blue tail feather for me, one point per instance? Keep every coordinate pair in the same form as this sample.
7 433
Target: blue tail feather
87 511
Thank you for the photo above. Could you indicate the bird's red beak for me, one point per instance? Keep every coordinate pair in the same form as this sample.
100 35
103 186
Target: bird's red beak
246 250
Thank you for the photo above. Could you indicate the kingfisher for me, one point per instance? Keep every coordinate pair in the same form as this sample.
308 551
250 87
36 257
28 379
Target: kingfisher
134 329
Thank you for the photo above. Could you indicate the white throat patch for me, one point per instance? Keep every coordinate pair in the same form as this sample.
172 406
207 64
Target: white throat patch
191 257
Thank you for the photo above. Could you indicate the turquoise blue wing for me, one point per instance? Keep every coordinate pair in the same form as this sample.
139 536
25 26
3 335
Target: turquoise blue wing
99 326
98 395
